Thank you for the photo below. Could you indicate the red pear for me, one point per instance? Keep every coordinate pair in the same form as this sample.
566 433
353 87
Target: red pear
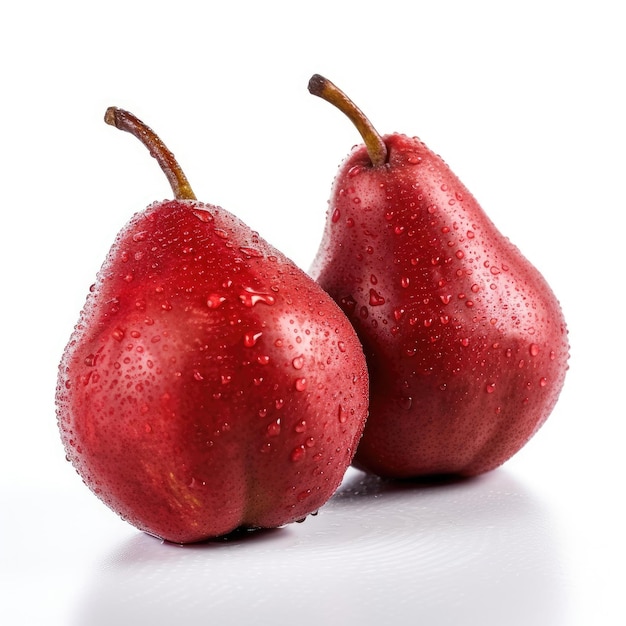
465 341
209 385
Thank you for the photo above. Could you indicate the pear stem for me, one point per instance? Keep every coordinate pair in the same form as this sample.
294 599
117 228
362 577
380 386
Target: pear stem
128 122
376 148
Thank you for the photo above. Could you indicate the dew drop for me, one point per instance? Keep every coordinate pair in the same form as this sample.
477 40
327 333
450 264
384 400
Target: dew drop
342 346
398 313
273 429
298 362
348 304
303 495
341 415
490 388
534 349
251 252
297 454
250 297
543 381
118 334
202 214
406 402
300 384
375 298
263 359
336 216
405 281
250 338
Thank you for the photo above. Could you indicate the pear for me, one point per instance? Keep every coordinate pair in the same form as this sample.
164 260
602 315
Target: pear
210 385
466 343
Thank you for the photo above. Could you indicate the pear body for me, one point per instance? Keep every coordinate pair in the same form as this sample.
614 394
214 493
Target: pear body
465 341
210 384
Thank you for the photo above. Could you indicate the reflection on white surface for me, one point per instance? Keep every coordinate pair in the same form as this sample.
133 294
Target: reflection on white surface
378 552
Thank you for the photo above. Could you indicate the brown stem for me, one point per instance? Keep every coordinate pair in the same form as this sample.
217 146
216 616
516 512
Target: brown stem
128 122
376 148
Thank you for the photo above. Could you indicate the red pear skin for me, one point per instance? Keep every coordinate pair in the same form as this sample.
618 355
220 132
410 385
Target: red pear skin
209 385
465 342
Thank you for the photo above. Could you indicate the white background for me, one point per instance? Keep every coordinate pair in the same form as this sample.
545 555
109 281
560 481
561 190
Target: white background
524 101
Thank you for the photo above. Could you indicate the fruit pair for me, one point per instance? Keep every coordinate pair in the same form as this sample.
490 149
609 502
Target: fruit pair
211 385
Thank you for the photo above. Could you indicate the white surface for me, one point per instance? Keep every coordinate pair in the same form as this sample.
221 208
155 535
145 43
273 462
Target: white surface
377 553
526 105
